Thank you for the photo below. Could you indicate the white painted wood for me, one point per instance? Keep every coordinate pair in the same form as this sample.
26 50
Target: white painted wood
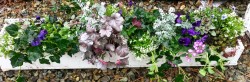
76 61
247 18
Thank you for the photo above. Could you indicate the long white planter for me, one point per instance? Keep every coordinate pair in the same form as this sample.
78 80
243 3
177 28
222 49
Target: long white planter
76 61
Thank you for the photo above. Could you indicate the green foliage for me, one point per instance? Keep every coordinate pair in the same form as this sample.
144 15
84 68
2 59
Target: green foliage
179 78
110 10
12 30
56 42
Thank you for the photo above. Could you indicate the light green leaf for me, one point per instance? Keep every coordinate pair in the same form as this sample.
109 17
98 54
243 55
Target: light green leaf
213 33
203 72
211 27
210 70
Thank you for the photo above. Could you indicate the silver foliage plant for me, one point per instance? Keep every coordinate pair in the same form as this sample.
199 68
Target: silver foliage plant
102 38
165 25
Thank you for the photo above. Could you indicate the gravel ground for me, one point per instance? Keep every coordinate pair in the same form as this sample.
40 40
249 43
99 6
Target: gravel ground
239 73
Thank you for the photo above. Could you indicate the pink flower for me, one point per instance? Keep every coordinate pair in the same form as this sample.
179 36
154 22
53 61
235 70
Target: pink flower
199 47
193 52
188 58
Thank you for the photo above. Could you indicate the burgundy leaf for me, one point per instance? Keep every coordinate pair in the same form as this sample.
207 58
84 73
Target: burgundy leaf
122 61
136 23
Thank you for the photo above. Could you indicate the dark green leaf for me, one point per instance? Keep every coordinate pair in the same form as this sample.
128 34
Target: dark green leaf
50 47
179 78
164 66
44 61
73 49
55 58
34 53
20 79
17 59
214 58
12 30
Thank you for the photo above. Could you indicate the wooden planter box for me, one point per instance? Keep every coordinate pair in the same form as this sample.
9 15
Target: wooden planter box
76 61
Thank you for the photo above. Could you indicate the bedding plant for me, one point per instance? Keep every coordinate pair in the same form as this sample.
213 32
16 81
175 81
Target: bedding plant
121 30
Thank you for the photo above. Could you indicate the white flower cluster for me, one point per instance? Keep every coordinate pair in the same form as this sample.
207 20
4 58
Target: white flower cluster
165 25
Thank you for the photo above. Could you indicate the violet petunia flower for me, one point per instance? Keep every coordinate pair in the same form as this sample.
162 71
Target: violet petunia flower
199 47
42 34
130 3
192 32
197 24
203 39
178 18
120 11
184 31
185 41
36 42
38 17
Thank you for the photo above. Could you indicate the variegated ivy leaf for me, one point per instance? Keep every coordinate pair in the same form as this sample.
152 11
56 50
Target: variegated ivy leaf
186 25
213 33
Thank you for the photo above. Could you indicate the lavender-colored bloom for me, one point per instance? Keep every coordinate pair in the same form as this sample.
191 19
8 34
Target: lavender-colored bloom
120 11
193 52
38 17
42 34
203 39
188 58
178 18
184 31
36 42
130 3
185 41
192 32
197 24
199 47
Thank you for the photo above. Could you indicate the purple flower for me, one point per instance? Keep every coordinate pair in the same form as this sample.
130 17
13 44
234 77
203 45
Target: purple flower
185 41
192 32
120 11
204 38
42 34
130 3
199 47
197 23
178 18
38 17
184 31
36 42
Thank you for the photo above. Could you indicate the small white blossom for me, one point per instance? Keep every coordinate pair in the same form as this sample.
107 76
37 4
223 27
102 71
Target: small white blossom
224 16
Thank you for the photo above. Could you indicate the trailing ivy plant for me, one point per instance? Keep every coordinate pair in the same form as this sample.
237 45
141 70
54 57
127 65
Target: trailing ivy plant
35 40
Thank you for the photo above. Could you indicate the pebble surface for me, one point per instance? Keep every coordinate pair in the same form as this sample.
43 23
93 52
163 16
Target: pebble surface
238 73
